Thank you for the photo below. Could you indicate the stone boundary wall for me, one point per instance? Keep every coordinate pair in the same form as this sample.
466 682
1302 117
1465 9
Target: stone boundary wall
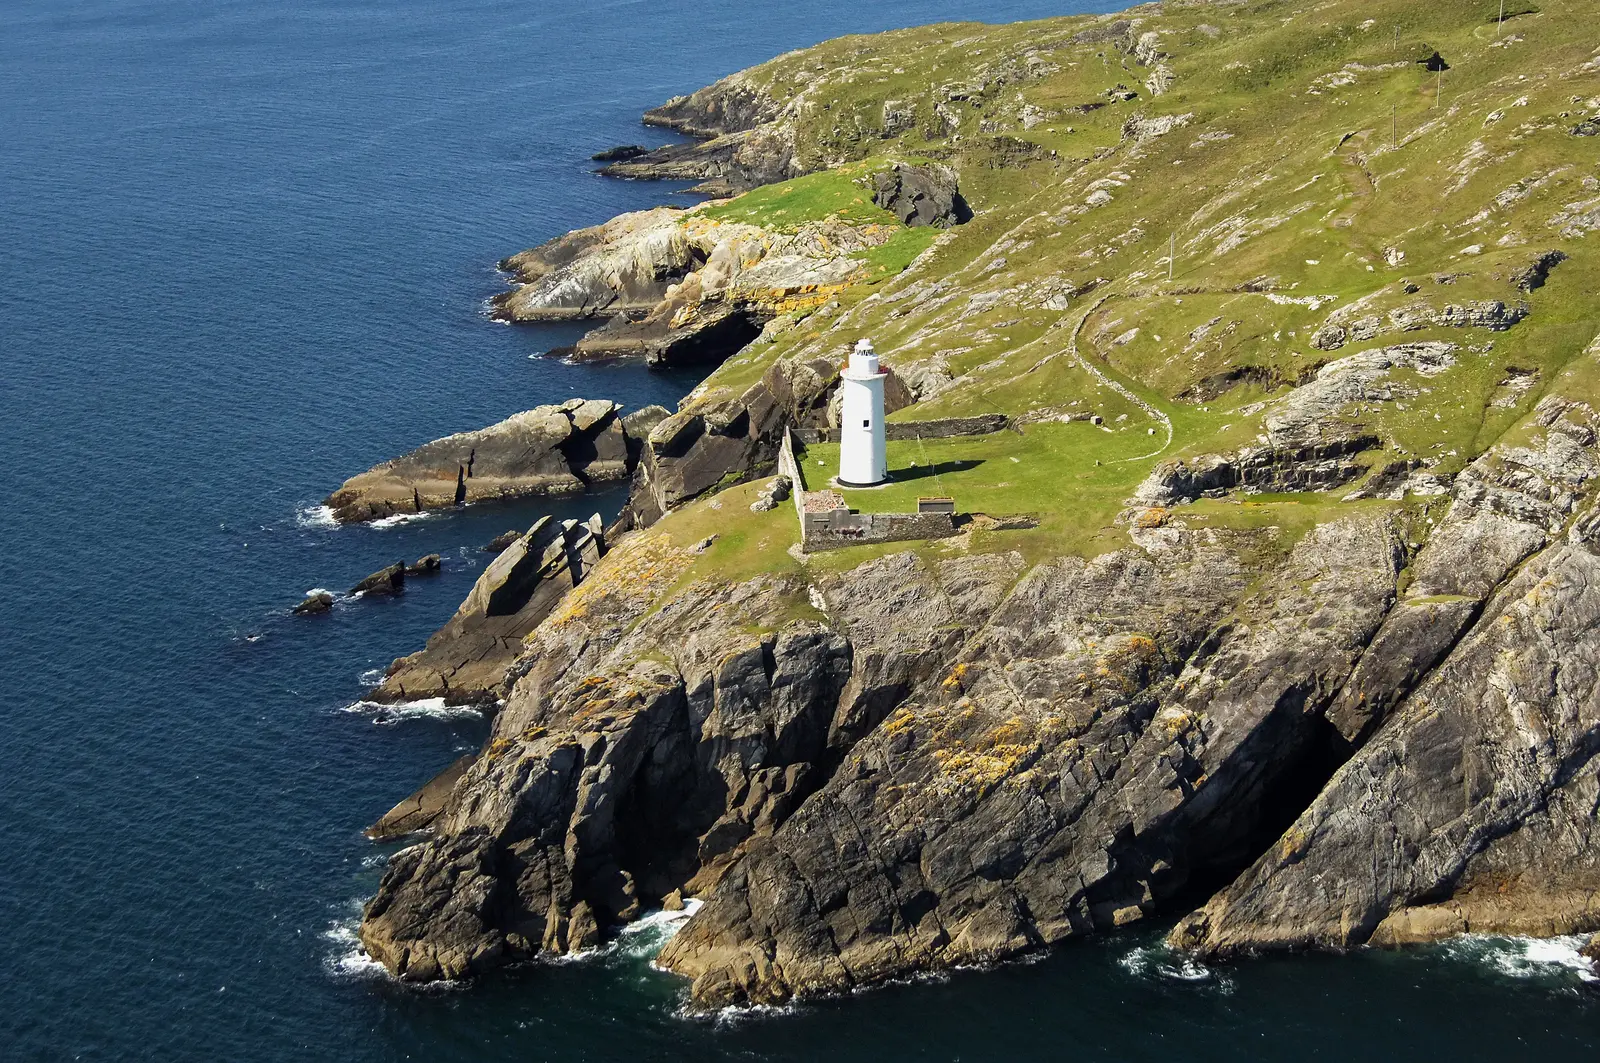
840 527
942 428
787 466
829 531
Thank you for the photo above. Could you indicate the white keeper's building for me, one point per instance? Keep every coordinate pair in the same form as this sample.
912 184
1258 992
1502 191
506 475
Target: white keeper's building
863 458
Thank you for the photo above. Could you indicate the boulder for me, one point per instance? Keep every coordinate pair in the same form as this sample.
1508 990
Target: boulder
501 541
426 565
317 601
620 154
921 195
385 581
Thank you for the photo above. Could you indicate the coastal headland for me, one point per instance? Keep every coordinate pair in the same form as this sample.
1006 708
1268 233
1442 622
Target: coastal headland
1282 619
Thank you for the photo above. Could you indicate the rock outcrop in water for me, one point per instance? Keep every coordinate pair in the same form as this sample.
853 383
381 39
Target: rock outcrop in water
747 139
680 288
549 450
466 660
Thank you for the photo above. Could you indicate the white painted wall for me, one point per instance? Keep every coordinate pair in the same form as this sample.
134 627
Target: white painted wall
863 455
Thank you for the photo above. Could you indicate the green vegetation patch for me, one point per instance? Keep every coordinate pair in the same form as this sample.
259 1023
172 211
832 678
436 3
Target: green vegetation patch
842 193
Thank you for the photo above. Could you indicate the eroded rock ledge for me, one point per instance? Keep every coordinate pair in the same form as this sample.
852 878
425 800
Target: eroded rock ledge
549 450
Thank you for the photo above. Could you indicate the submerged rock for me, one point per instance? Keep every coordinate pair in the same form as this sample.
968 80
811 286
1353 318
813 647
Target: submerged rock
620 153
501 541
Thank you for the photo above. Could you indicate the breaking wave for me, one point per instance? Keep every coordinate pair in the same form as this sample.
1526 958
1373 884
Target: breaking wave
398 519
1161 963
1547 959
346 958
425 709
315 517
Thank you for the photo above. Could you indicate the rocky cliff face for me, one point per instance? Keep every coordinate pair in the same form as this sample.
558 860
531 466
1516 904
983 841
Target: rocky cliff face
1474 809
962 761
1301 619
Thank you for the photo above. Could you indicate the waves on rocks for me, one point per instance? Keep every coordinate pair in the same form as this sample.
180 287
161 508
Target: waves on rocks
1553 960
385 715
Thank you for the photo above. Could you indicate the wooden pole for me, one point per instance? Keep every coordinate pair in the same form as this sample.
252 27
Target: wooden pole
1501 20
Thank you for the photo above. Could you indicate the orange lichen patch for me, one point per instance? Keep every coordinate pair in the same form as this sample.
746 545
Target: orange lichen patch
1176 722
901 721
594 709
640 570
1128 662
984 770
1293 845
956 680
1153 517
1014 731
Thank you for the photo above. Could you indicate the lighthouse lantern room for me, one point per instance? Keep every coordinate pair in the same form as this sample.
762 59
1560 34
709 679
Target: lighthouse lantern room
863 460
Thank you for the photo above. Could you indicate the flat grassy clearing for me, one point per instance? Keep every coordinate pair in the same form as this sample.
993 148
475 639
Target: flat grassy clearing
1040 469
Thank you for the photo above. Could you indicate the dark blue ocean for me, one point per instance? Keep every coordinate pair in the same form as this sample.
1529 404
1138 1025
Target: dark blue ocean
244 251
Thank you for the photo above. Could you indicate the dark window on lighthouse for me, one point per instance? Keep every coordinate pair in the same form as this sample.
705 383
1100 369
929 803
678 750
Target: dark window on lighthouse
867 423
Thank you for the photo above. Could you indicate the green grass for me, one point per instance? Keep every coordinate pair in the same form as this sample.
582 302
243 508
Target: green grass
1272 198
840 193
891 258
1074 477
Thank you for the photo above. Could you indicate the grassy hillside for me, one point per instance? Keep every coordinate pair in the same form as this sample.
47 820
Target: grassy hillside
1175 206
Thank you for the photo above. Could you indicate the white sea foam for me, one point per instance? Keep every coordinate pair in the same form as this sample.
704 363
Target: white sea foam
1160 962
733 1015
424 709
346 958
647 935
398 519
1521 957
373 676
315 517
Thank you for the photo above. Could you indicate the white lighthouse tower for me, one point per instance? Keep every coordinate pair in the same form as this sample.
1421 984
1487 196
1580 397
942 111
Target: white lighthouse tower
863 460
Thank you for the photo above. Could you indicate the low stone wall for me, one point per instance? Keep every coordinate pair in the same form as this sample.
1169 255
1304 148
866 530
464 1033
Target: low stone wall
941 428
787 466
835 526
829 531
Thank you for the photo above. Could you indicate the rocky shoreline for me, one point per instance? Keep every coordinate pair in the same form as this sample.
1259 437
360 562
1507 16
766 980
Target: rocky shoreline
1369 721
